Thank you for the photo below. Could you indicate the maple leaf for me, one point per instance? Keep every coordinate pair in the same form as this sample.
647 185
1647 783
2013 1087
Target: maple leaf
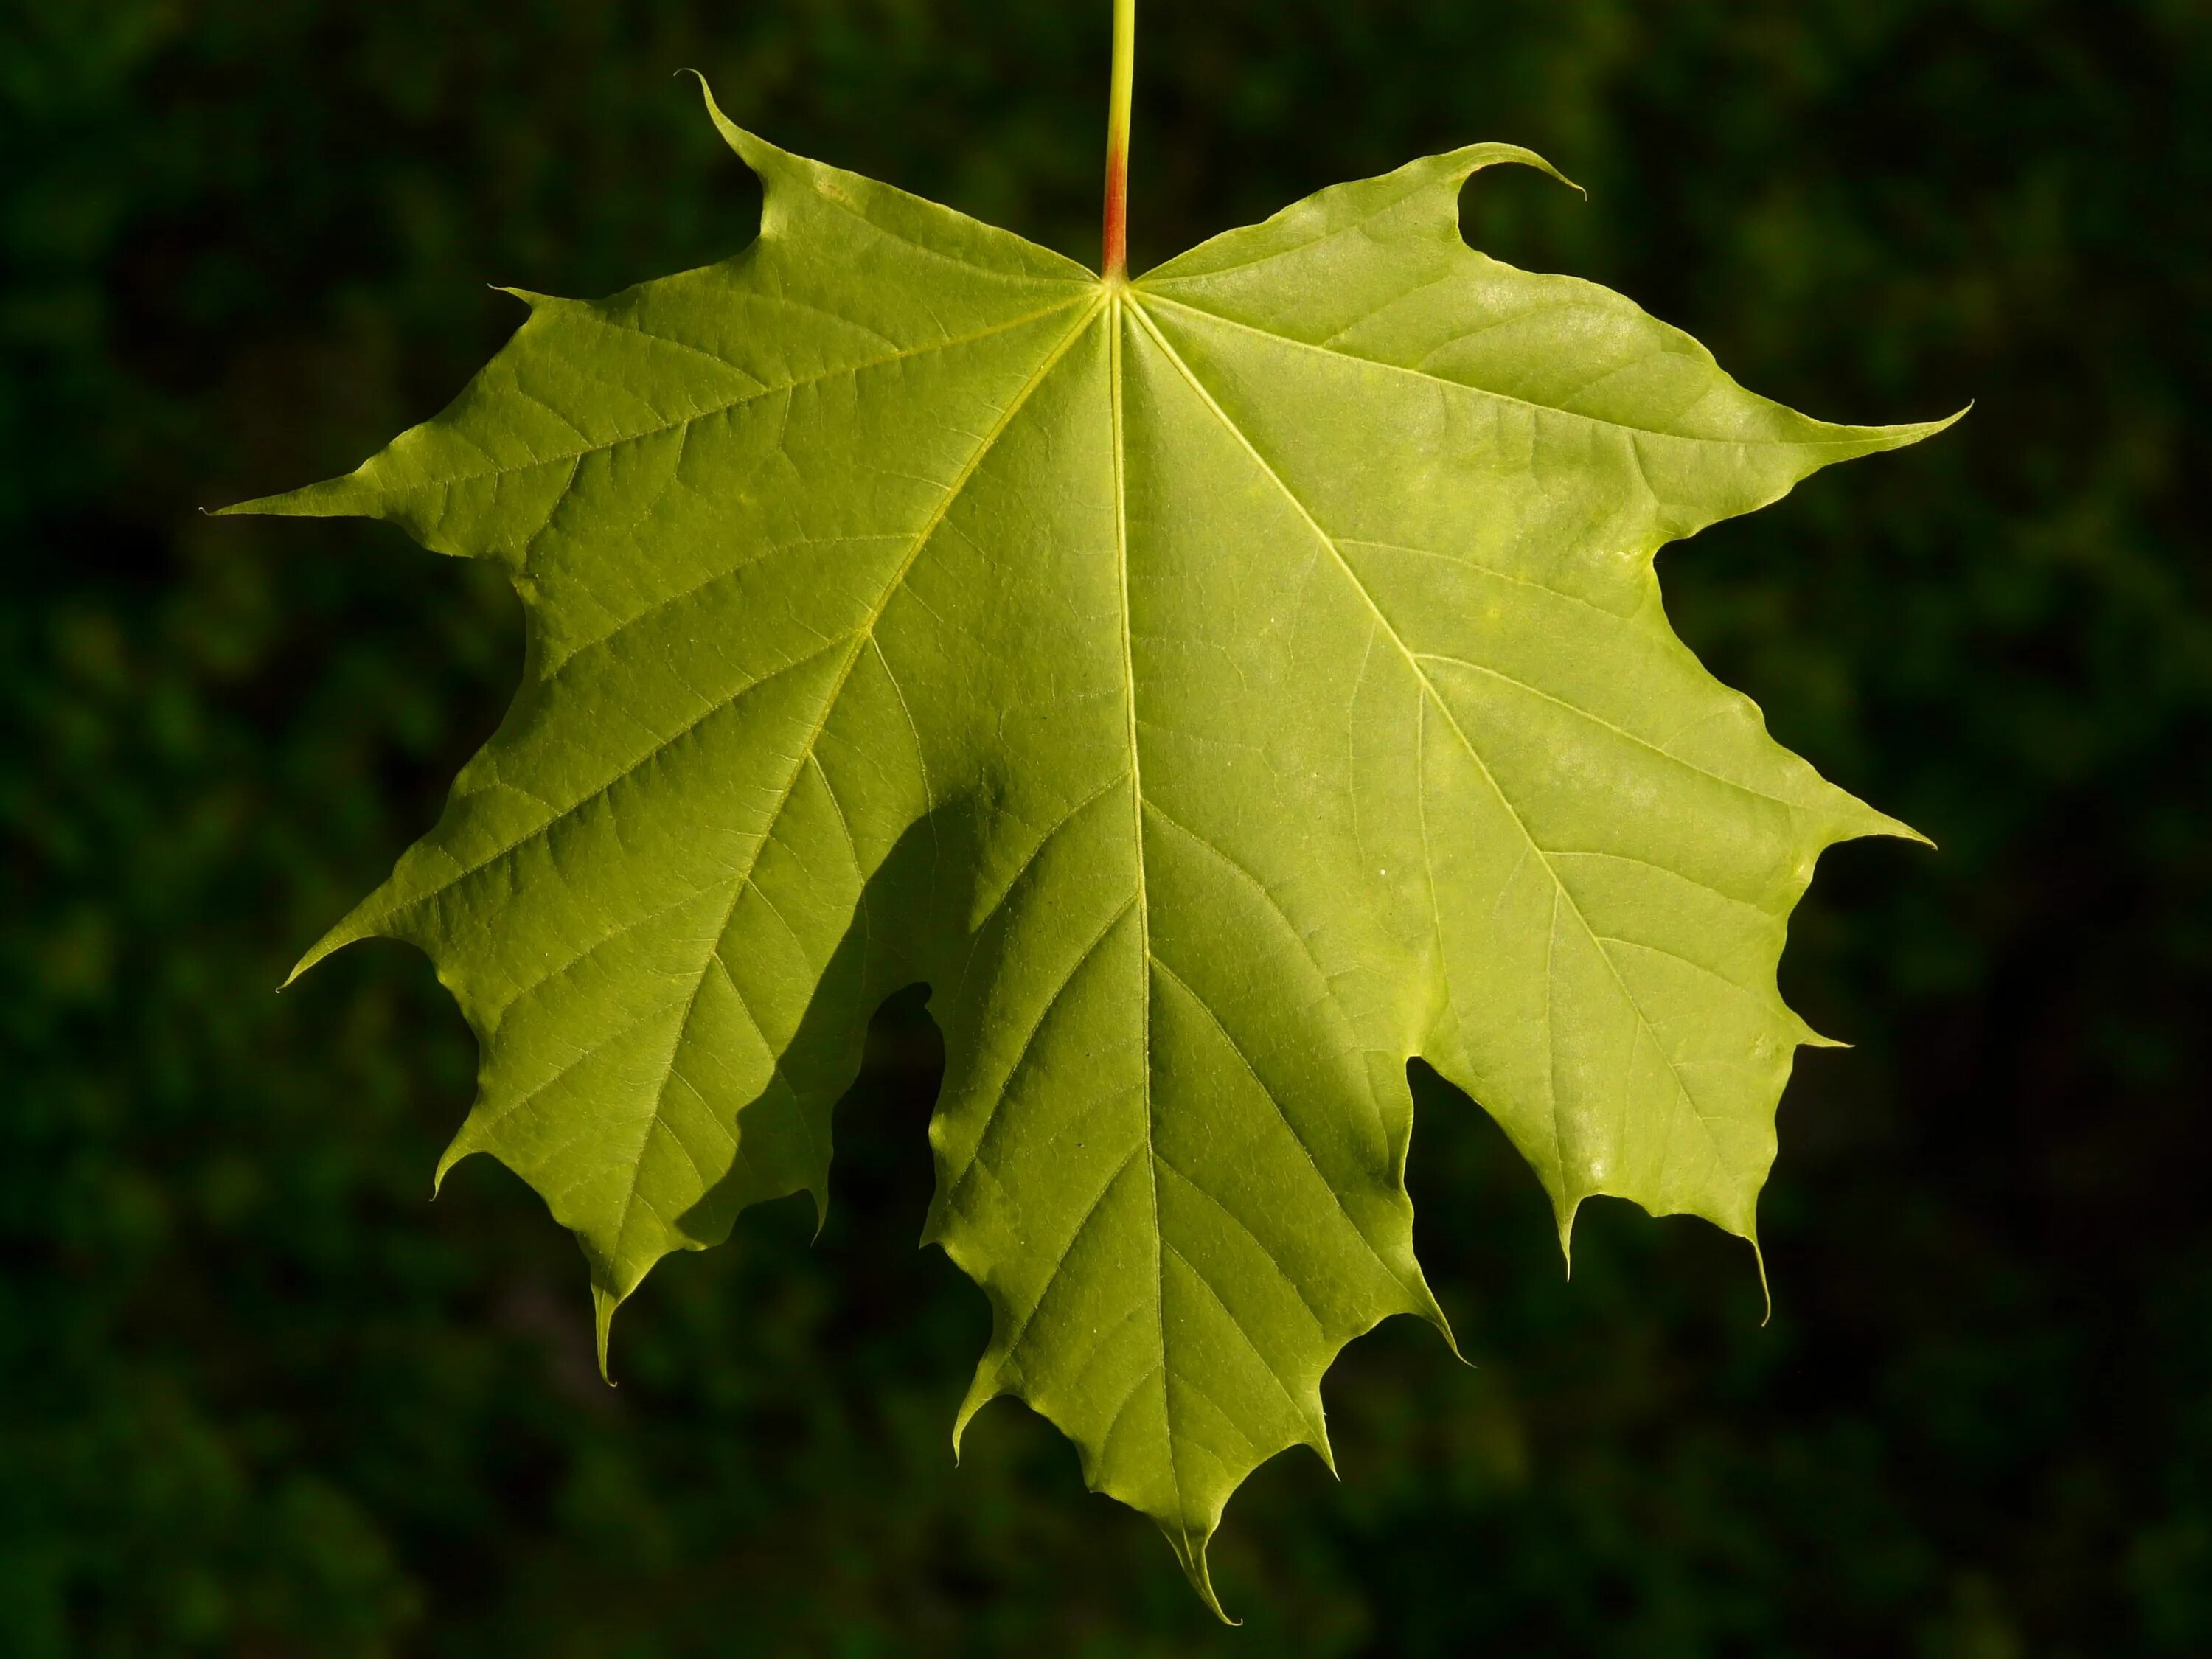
1218 687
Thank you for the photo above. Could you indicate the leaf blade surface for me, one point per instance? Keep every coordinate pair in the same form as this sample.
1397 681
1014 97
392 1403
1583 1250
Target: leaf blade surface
1219 689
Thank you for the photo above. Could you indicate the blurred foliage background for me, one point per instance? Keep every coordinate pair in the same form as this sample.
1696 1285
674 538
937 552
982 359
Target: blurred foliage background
259 1398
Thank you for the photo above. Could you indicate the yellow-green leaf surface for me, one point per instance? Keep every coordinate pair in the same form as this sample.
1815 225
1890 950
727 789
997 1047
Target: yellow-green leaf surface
1218 687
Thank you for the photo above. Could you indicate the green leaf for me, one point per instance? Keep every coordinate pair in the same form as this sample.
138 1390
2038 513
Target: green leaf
1218 687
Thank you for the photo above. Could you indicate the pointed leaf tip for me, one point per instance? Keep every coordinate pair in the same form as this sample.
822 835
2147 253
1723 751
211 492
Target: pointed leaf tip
1913 432
733 135
1320 1443
346 496
603 1304
456 1149
1443 1327
1564 1215
980 1393
1190 1554
1516 155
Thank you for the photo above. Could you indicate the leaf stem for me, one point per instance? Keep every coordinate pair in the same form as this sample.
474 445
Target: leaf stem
1117 141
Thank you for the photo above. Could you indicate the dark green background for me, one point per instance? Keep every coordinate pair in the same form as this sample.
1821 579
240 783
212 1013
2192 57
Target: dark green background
257 1398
